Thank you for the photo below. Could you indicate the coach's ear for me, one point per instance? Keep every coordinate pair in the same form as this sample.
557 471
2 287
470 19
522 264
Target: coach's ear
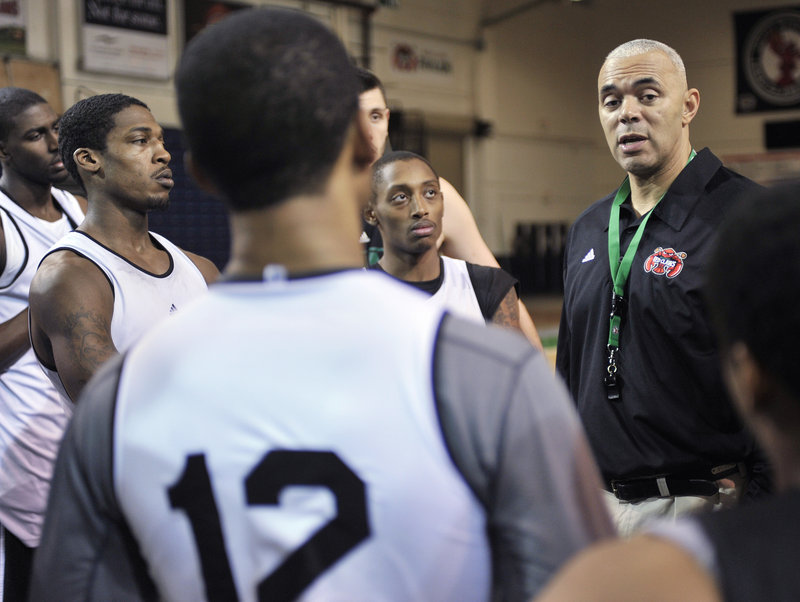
370 216
198 175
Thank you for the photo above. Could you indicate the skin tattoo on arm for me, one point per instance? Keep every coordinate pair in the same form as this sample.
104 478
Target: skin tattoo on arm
508 312
90 344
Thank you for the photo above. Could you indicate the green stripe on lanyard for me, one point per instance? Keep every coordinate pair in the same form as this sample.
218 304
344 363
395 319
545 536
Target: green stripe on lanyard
620 270
619 276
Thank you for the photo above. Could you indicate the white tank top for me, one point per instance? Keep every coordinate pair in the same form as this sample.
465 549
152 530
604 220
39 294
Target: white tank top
32 419
141 299
456 293
374 436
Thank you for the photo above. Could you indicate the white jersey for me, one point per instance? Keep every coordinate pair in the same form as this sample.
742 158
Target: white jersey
32 420
141 298
254 445
457 294
358 453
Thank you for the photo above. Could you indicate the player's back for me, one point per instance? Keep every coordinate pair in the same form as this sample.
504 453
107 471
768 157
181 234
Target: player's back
320 460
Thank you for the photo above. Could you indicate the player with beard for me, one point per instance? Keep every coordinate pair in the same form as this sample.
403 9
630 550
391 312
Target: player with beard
105 284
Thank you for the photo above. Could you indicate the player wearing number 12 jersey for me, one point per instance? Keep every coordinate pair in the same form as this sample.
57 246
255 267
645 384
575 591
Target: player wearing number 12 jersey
254 448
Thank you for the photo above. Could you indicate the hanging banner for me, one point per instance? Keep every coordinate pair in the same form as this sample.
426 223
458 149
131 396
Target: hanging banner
12 27
768 60
126 37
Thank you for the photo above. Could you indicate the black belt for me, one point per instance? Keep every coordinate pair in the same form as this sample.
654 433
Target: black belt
631 490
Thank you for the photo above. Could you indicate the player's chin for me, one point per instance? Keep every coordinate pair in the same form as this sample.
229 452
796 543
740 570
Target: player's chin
158 202
58 177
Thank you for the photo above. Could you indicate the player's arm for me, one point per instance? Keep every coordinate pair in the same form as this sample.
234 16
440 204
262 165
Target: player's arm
642 568
71 306
461 239
206 266
14 341
507 313
512 431
86 551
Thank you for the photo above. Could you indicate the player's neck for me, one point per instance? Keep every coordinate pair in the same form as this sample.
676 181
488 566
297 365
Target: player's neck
303 234
34 197
411 267
124 231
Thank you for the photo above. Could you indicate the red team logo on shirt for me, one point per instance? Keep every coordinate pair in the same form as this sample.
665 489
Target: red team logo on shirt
665 262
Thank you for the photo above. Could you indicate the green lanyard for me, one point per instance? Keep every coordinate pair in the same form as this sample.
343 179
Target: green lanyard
620 270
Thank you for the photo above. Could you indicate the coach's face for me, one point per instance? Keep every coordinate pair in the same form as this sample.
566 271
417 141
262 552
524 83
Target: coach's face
645 109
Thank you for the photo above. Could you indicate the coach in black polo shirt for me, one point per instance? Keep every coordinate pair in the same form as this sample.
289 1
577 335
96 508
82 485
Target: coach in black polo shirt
635 346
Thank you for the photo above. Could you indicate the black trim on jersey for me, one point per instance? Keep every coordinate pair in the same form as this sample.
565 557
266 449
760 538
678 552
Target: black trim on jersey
155 242
426 286
102 271
490 285
80 254
24 244
72 223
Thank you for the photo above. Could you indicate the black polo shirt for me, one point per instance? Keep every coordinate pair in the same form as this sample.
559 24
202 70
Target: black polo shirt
673 415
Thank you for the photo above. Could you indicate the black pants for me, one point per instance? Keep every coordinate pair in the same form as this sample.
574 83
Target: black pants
16 559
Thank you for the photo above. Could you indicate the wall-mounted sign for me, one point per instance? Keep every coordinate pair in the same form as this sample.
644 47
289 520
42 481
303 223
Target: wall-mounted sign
422 59
12 27
768 61
126 37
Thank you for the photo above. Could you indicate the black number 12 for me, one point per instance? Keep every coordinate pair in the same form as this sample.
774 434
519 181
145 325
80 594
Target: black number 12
278 469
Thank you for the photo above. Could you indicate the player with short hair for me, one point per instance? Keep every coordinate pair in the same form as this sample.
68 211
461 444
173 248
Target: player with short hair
459 237
105 284
407 207
33 215
252 447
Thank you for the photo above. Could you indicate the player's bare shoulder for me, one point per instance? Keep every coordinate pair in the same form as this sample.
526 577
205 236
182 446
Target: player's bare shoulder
64 284
207 268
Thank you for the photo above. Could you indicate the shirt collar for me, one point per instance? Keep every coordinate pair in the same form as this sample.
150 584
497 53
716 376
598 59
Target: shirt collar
685 191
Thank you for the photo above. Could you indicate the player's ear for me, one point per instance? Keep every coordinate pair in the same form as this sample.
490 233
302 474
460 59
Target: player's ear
3 153
370 216
87 160
198 174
